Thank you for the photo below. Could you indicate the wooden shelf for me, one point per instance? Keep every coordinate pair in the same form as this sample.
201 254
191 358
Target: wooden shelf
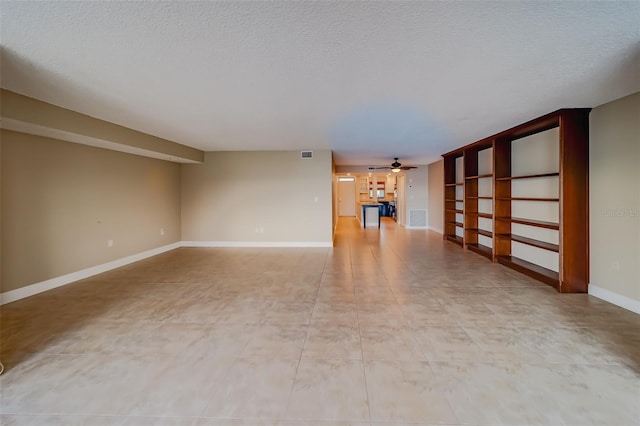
454 184
455 239
453 199
481 232
488 175
529 176
536 271
531 242
458 224
454 211
527 199
571 177
530 222
483 215
481 250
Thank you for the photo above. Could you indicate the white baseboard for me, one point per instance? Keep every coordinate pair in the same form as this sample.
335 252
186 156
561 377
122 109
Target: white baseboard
33 289
438 230
30 290
257 244
615 298
417 227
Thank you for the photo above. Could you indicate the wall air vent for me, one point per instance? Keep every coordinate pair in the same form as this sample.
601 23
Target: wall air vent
418 218
306 154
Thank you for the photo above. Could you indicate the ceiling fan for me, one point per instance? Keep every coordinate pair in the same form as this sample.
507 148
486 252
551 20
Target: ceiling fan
395 167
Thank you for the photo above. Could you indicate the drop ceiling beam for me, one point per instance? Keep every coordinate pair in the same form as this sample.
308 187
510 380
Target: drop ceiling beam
28 115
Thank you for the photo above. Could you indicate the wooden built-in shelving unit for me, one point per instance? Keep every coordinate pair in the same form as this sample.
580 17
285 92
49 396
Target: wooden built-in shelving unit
454 200
478 180
527 215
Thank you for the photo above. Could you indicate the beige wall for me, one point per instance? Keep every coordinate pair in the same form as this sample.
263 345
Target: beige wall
614 191
1 257
416 197
436 196
62 201
233 194
334 198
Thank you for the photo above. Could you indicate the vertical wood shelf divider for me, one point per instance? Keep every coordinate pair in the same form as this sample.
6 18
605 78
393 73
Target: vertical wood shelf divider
573 201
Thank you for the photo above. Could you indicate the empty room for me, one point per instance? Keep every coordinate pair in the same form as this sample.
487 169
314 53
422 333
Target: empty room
320 213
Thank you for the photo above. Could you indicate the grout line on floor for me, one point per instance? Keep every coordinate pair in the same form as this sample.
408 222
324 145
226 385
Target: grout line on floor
364 370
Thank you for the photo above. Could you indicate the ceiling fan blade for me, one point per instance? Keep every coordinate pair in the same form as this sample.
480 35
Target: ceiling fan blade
394 166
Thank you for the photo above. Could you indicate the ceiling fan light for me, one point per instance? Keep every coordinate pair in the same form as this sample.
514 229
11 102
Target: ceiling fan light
396 170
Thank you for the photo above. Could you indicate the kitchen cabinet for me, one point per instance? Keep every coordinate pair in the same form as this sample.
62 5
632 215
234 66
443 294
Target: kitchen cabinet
363 185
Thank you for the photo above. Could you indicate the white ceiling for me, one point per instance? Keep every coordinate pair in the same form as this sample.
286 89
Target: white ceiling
368 80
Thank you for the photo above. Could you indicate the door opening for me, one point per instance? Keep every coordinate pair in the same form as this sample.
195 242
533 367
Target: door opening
401 200
346 196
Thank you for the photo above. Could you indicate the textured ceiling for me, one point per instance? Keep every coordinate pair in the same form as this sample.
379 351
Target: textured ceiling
369 80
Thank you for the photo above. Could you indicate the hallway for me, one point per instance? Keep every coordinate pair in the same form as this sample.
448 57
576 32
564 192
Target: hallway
389 327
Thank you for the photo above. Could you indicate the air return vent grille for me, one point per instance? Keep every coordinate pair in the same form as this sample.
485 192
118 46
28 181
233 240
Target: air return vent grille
306 154
418 218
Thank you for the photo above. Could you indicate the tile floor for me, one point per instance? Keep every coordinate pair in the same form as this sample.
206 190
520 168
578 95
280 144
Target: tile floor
390 327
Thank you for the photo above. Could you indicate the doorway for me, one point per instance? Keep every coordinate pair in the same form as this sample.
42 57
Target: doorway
401 201
346 196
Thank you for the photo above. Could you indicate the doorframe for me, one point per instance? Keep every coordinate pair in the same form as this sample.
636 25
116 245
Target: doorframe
401 202
352 181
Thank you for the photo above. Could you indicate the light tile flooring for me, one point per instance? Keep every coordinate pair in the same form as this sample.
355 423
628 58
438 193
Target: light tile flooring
388 327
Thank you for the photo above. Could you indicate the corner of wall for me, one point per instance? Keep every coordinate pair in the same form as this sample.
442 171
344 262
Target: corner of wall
614 202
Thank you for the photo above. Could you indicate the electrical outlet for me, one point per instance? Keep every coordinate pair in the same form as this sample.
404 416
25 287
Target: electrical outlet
615 265
162 231
109 243
261 230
